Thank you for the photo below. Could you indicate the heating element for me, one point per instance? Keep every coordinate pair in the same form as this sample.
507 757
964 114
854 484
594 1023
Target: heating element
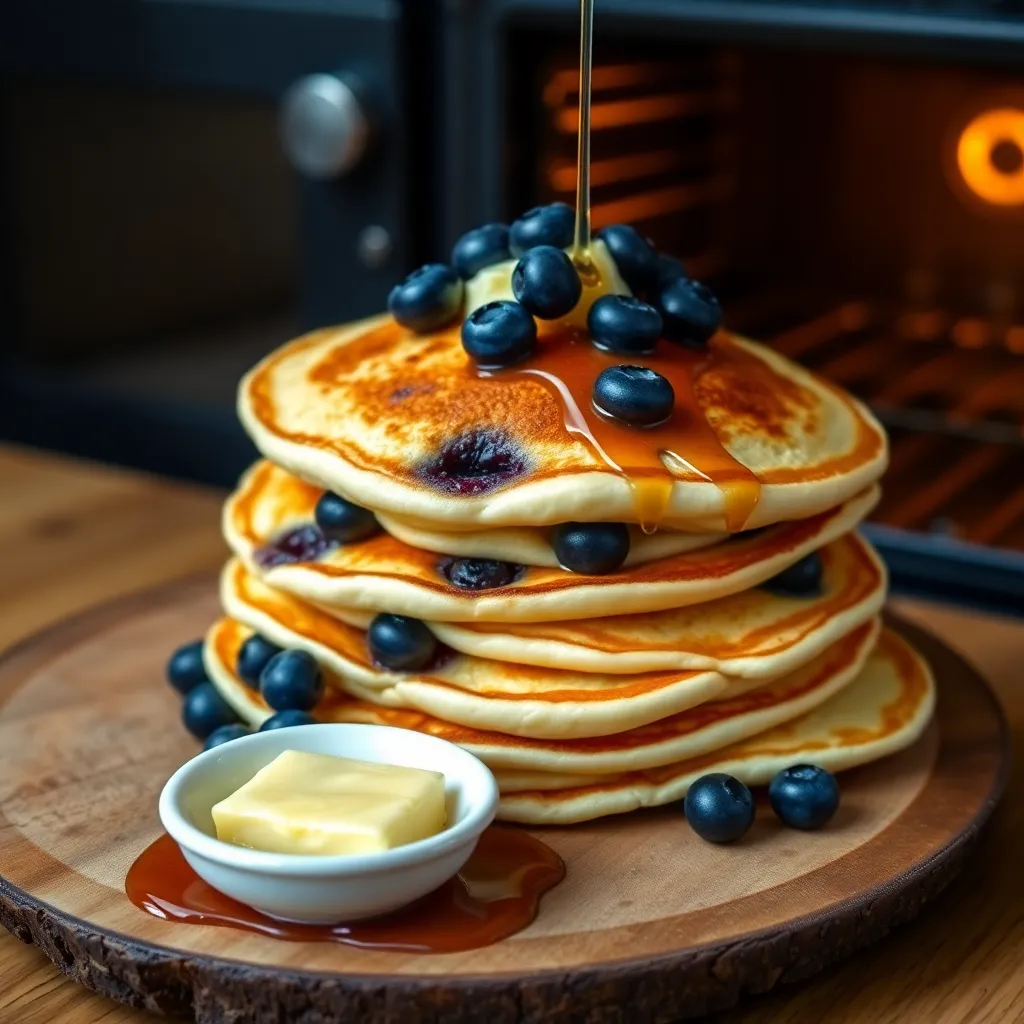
946 377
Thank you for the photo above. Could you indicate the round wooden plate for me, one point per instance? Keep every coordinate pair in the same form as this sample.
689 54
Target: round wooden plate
650 923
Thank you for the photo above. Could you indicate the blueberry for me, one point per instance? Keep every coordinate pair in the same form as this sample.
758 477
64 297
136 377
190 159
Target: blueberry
185 669
690 311
344 521
719 808
400 643
546 282
481 248
480 573
427 299
801 579
804 796
292 681
499 334
668 269
204 710
634 394
474 463
623 324
543 225
302 544
636 260
285 719
252 659
591 548
225 734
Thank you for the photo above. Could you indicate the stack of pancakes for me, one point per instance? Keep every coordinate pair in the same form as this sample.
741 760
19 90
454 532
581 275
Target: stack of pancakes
587 695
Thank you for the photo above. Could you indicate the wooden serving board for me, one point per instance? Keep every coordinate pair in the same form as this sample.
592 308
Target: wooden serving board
650 924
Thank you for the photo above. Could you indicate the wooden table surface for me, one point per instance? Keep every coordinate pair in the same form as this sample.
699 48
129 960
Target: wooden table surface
73 534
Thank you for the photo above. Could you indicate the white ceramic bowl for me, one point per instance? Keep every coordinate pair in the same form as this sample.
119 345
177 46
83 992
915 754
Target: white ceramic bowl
318 889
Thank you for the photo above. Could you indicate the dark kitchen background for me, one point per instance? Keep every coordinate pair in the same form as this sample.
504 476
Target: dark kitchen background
186 184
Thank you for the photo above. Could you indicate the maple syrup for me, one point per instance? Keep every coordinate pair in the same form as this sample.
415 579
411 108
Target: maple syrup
567 365
581 240
496 894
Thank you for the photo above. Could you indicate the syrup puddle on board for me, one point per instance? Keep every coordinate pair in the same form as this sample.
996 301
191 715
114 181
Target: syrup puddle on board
494 896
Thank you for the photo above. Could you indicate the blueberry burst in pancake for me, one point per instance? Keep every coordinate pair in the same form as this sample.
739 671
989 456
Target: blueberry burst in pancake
554 512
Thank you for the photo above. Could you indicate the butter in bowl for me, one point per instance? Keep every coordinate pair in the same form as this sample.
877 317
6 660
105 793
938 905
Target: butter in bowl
329 823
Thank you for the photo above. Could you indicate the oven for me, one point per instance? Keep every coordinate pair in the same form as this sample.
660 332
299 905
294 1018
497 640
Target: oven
850 180
184 184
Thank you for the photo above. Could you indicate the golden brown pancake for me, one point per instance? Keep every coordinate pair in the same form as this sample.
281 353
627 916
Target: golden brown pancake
885 709
403 421
688 734
532 545
381 574
522 700
754 634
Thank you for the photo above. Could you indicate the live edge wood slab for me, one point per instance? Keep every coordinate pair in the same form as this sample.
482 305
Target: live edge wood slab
87 734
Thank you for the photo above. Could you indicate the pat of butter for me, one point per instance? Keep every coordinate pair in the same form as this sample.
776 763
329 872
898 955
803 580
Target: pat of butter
321 804
495 282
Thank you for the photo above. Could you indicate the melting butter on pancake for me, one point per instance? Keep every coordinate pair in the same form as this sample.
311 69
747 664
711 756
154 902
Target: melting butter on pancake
531 545
546 762
377 413
885 709
521 700
752 634
382 574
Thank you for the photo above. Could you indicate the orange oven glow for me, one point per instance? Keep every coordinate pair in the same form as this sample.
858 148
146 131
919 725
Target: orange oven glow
990 156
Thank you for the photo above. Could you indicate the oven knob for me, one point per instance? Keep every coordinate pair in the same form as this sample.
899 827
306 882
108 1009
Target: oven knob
325 129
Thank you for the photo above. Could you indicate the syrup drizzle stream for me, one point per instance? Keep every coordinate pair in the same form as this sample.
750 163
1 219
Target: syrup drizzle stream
581 243
496 894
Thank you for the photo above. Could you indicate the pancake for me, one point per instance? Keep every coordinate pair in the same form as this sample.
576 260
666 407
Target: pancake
753 634
521 700
383 574
531 545
689 734
371 410
885 709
